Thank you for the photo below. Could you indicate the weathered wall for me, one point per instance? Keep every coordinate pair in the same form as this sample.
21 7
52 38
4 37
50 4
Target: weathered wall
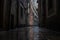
1 13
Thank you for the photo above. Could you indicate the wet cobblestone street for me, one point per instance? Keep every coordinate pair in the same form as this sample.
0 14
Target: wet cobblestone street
23 34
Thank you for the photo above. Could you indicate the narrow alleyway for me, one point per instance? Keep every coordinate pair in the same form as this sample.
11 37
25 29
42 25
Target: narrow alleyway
17 14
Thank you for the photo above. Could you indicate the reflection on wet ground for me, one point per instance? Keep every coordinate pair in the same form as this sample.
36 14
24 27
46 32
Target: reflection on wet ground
29 33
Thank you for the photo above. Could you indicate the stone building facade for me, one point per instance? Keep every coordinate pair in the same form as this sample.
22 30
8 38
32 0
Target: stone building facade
13 13
50 18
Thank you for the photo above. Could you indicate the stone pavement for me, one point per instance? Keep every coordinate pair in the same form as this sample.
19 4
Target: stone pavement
23 34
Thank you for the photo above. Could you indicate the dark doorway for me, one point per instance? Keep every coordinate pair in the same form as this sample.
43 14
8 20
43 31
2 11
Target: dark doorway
50 4
12 21
21 12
